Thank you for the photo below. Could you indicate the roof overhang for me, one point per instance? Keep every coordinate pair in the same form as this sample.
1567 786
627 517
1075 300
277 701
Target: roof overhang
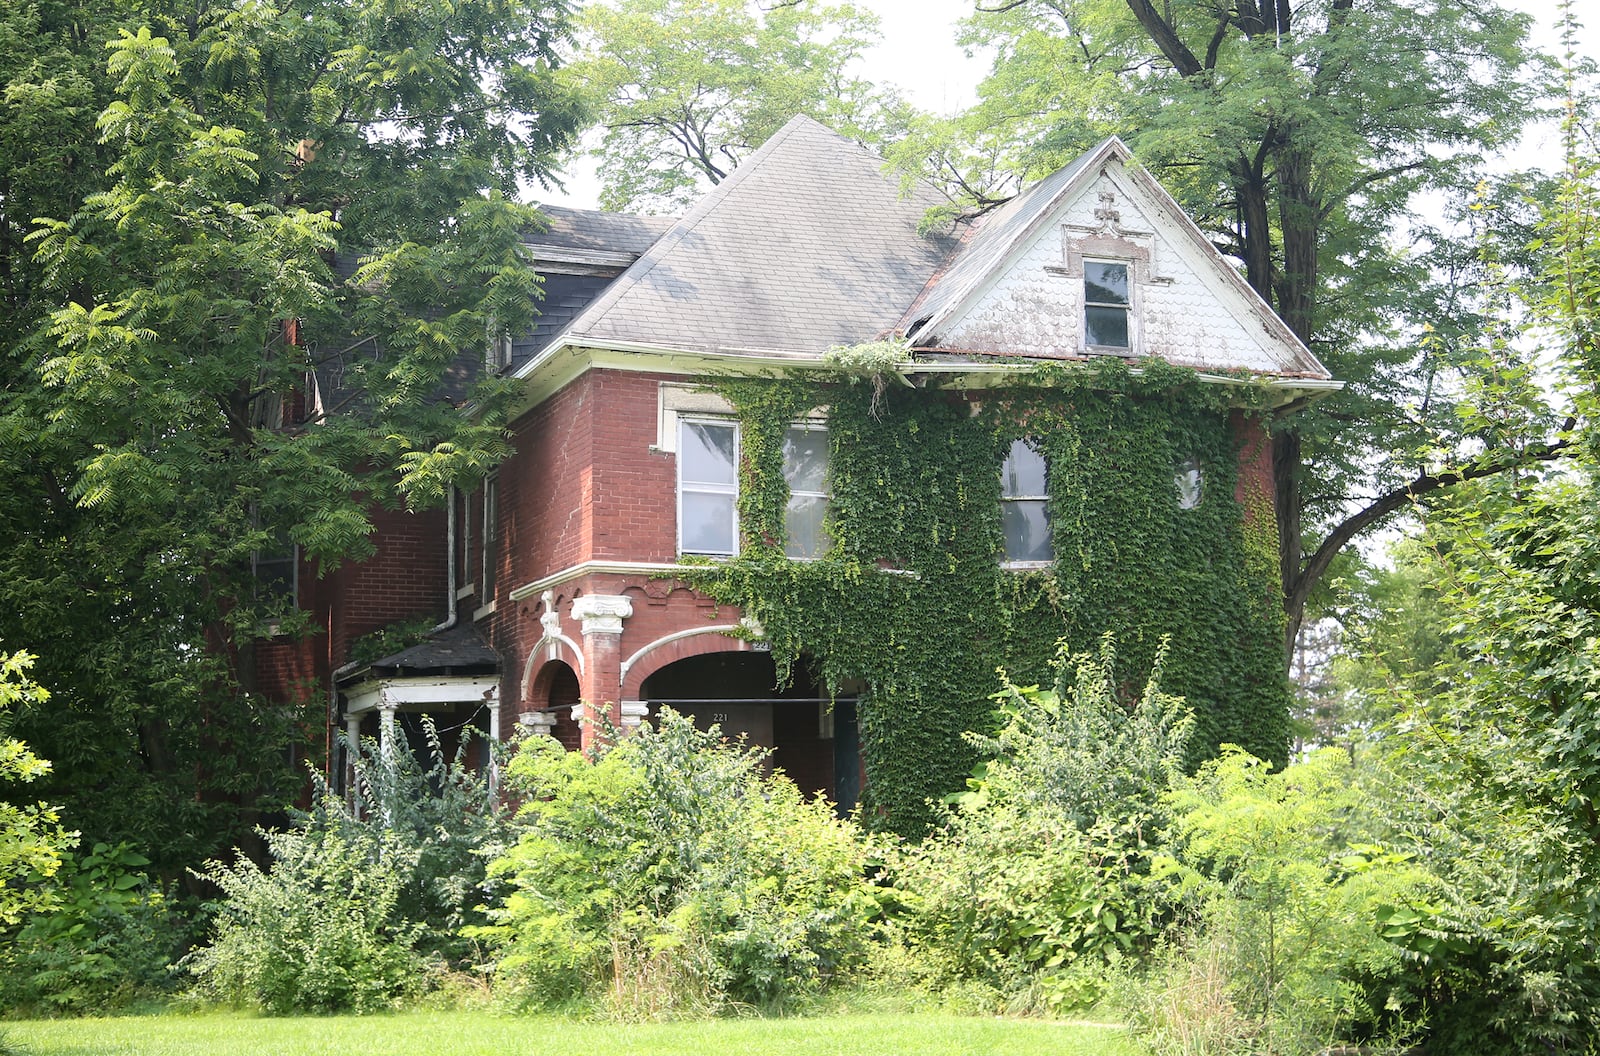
566 359
421 693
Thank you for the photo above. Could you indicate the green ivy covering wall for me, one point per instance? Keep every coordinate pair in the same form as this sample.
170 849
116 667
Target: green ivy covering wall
912 603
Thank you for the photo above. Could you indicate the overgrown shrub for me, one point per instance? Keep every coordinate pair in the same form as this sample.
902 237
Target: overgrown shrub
318 932
107 942
1289 883
672 876
366 899
1039 880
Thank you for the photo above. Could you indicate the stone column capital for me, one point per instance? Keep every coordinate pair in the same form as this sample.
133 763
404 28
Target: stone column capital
602 613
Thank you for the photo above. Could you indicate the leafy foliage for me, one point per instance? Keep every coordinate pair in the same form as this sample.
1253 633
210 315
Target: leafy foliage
366 901
686 89
678 874
31 838
261 260
1289 876
321 931
107 941
1039 880
914 507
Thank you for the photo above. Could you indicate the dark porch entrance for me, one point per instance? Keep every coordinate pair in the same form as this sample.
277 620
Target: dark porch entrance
812 737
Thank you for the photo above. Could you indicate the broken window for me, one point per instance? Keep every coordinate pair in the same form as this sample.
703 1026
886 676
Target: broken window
708 487
805 468
1106 304
1025 505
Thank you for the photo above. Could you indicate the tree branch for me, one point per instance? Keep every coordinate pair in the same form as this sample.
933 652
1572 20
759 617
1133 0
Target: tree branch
1297 593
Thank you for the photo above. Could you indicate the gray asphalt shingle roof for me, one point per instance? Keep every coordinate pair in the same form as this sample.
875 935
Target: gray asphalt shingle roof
592 229
808 244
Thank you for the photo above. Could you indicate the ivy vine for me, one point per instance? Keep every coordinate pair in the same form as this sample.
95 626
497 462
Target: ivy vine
912 602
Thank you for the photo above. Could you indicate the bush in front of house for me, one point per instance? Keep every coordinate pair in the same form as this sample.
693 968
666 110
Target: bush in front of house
106 941
365 900
319 930
674 876
1037 886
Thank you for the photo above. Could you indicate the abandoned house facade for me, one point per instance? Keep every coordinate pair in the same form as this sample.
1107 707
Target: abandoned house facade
568 587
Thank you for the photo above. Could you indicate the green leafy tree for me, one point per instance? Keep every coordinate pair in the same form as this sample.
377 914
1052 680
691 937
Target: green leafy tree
1300 136
31 838
1501 753
686 89
674 874
299 220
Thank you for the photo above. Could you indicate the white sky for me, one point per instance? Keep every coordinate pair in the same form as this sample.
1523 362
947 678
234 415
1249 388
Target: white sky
918 54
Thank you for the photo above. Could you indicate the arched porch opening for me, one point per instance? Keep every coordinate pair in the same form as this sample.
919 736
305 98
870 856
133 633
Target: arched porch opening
812 738
551 695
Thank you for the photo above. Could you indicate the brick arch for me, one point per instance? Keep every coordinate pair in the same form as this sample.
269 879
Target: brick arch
552 648
680 645
554 690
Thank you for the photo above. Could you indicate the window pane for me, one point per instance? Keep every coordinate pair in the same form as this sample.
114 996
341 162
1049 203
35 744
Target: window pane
707 523
1027 528
1190 483
706 453
274 571
1105 283
1106 326
804 534
805 458
1024 471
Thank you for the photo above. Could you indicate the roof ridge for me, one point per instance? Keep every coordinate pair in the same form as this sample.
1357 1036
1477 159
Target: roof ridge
675 235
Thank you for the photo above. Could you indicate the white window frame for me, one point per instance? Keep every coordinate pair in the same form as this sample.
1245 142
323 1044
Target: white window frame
1007 561
1130 276
702 488
497 351
823 542
1190 482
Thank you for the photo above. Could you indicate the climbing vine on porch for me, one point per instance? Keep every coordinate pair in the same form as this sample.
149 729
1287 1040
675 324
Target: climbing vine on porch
911 602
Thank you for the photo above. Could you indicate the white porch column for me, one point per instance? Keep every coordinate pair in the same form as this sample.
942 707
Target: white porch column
386 731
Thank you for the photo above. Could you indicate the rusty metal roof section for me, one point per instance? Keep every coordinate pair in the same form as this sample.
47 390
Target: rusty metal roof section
808 244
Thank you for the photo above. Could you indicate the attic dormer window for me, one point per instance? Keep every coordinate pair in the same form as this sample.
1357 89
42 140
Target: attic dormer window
1105 304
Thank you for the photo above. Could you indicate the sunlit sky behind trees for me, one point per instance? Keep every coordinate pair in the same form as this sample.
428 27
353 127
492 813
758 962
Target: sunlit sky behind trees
919 55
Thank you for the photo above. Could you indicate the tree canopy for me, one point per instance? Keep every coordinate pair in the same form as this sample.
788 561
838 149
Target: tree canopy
685 89
282 228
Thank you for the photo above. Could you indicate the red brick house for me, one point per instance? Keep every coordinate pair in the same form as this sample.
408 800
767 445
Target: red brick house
556 583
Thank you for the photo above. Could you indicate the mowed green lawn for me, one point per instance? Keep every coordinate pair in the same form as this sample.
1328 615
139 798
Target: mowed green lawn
484 1034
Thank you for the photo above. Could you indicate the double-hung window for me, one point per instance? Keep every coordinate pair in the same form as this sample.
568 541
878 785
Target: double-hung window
708 487
1025 505
276 571
805 468
1105 304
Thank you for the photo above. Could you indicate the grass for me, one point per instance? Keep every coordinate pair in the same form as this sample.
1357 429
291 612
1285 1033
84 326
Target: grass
483 1034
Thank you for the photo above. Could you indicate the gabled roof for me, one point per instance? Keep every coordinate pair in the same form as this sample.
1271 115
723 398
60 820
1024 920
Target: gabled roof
808 244
991 240
811 243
